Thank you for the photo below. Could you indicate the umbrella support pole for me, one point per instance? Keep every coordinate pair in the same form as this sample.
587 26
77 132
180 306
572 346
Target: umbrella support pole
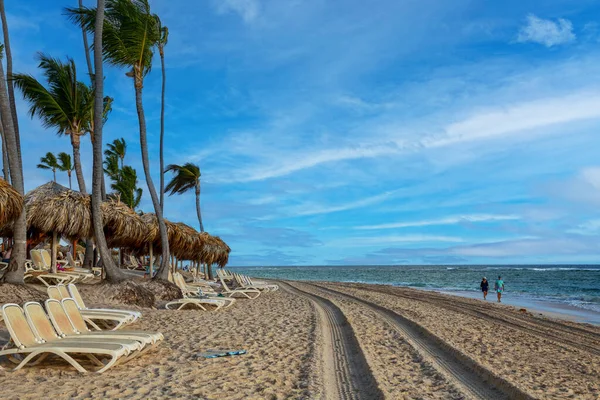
54 251
151 261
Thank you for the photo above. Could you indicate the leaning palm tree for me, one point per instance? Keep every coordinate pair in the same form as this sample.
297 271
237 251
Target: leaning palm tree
65 165
129 35
63 105
187 177
118 148
49 162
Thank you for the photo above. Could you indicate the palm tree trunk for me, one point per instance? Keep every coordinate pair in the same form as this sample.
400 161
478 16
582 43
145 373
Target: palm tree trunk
163 271
76 143
69 173
54 173
87 49
11 88
113 274
5 166
198 206
162 128
16 267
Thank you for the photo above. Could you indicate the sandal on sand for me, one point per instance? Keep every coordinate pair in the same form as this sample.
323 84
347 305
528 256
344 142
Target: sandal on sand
220 353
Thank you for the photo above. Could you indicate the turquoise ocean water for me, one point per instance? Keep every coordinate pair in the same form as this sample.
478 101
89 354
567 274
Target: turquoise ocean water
573 285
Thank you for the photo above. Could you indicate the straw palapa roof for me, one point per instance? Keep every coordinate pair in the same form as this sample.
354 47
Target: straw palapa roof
11 203
54 208
122 226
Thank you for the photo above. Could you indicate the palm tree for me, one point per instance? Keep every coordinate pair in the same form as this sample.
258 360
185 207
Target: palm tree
65 165
16 267
9 73
49 162
129 35
126 187
187 177
65 105
86 48
111 166
162 42
118 148
113 274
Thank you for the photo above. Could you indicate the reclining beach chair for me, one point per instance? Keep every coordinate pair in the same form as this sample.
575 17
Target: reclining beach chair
74 264
244 282
28 344
106 318
69 322
248 293
42 327
36 270
201 303
74 294
79 274
190 292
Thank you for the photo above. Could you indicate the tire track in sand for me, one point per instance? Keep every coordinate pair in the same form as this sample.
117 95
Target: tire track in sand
346 374
474 380
562 335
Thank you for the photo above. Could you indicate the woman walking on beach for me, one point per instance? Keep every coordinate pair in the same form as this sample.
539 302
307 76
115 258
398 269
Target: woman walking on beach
499 288
484 287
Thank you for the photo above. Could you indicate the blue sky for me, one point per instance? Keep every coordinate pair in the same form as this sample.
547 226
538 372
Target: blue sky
383 132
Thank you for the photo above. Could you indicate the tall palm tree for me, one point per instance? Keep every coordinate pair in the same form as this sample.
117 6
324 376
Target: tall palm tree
9 73
187 177
86 48
129 35
65 165
162 42
16 267
118 148
49 162
113 274
64 105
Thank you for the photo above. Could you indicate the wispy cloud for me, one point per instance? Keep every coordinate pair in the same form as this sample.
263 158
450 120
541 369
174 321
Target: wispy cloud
370 241
442 221
547 32
247 9
315 209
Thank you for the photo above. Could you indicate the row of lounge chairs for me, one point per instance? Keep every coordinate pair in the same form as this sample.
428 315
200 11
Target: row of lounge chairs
39 268
62 330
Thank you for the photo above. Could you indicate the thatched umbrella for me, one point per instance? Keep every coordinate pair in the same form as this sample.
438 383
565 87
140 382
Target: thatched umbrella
11 203
123 227
52 208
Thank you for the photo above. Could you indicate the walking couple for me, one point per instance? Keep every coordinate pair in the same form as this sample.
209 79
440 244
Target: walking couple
498 287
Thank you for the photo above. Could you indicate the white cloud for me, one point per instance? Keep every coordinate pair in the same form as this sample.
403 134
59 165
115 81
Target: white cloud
547 32
443 221
390 240
520 117
290 163
247 9
319 209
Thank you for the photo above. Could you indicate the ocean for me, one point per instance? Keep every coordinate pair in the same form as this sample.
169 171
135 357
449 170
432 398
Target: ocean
571 285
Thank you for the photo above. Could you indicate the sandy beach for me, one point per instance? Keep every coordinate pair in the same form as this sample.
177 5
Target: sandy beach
323 340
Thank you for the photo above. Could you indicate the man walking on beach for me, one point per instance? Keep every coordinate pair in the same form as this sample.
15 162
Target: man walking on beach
499 288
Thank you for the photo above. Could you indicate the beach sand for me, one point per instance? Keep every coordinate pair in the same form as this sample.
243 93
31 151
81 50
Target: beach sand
323 340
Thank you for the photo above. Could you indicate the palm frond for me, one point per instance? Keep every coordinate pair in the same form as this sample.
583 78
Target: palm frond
65 163
186 177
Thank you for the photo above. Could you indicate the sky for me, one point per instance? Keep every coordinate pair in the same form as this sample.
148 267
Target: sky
354 133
